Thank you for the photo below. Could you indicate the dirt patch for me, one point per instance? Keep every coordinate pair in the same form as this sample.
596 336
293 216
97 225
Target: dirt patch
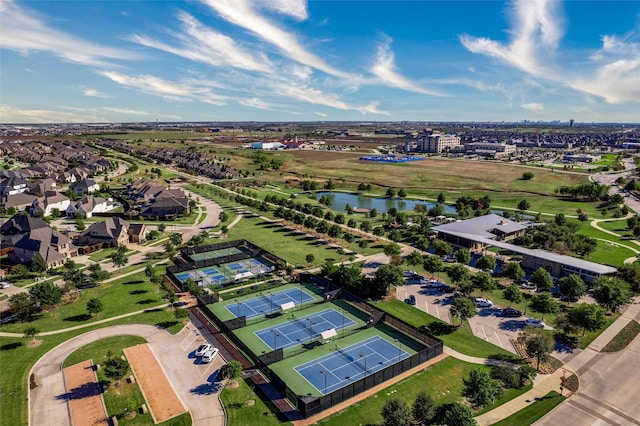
84 395
34 343
251 402
233 384
161 399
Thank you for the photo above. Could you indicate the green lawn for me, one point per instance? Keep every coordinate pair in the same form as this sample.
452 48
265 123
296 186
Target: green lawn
534 411
239 413
459 338
618 226
128 294
17 358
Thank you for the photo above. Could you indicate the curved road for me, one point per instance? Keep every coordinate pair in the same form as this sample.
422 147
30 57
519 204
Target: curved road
192 383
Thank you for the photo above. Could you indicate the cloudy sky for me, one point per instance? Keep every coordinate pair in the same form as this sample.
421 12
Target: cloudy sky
296 60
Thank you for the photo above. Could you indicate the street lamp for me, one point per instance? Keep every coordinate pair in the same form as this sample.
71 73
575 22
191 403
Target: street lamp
325 382
271 302
275 337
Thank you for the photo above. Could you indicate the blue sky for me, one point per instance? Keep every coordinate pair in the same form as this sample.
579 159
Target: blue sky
296 60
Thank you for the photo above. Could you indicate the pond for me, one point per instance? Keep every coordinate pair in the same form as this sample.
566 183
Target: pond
339 200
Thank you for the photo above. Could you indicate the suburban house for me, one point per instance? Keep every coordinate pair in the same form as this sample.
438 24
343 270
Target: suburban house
40 186
138 232
17 226
53 246
85 186
89 205
166 208
111 233
13 185
51 200
19 202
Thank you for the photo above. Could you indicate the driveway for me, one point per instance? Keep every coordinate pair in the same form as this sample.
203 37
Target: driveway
194 382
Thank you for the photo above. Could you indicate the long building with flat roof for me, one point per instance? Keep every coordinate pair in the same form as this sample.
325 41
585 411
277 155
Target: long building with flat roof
493 230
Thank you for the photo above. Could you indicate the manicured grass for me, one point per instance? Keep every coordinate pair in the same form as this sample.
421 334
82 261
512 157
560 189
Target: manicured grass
262 412
106 254
460 338
590 336
97 350
618 226
129 294
17 358
623 338
534 411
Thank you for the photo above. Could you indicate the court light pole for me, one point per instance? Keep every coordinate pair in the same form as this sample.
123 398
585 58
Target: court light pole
271 302
325 381
365 364
399 348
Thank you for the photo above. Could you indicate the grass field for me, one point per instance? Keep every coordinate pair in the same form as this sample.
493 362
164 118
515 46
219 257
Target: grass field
534 411
240 413
17 358
129 294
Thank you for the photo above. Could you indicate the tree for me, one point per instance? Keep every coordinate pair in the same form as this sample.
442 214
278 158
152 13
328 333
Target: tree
38 264
538 344
46 294
459 274
524 205
432 264
388 275
23 306
168 247
391 249
390 193
572 286
176 238
414 258
119 259
442 248
94 306
162 226
402 193
30 332
480 388
181 313
115 368
513 270
396 412
223 217
631 275
441 198
513 294
310 258
544 303
463 308
456 414
542 279
98 275
149 271
423 409
231 370
486 263
611 293
484 282
587 316
463 256
527 176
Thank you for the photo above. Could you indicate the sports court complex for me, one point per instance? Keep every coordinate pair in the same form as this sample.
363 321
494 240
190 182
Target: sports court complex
221 264
317 343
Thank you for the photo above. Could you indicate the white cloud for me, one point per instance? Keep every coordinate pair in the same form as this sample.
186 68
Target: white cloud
202 44
126 111
294 8
320 114
22 32
385 70
532 106
93 93
256 103
242 14
11 114
156 86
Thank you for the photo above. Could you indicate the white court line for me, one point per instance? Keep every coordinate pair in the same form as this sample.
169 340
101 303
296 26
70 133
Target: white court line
183 347
499 341
485 333
437 311
426 306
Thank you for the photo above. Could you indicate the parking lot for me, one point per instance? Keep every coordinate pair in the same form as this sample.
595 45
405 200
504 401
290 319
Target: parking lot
488 324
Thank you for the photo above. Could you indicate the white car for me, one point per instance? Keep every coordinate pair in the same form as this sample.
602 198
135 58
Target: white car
532 322
203 349
4 284
210 355
483 303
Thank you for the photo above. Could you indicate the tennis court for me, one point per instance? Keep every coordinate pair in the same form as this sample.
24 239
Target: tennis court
342 366
214 254
303 329
268 303
227 272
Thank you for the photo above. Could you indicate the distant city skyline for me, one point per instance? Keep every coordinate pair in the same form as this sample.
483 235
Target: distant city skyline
293 60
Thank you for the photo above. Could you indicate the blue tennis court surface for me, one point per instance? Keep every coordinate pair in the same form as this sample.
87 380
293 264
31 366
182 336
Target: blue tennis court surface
303 329
333 371
268 303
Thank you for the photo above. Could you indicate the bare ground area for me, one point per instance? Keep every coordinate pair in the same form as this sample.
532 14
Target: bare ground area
161 398
84 395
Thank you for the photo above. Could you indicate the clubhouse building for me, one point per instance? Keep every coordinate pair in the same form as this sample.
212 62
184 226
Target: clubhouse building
493 230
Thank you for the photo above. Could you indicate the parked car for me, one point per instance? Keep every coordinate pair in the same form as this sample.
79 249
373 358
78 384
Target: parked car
511 313
407 273
532 322
449 258
4 284
411 300
483 303
527 285
203 349
435 284
210 355
446 289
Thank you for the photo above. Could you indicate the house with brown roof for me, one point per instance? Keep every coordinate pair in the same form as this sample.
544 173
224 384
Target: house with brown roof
19 202
112 232
51 200
54 247
89 205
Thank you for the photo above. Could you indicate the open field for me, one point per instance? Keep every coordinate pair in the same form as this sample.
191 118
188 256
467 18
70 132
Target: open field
17 357
241 413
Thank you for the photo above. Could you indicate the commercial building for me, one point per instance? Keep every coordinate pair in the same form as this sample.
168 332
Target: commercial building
434 141
489 149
